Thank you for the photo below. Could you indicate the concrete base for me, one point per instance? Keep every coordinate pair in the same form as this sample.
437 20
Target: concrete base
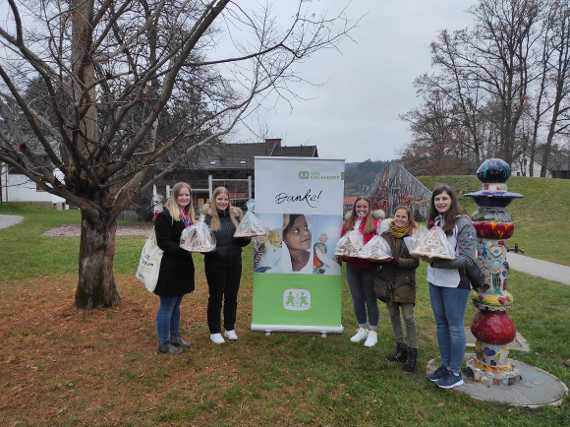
536 388
518 344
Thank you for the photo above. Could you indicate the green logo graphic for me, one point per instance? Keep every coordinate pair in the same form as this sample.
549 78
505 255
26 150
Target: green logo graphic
296 299
316 175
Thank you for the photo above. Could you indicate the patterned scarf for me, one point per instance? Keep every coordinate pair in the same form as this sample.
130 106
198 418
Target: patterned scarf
399 232
185 218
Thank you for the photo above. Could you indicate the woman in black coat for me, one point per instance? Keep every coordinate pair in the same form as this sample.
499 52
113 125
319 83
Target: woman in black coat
176 275
223 266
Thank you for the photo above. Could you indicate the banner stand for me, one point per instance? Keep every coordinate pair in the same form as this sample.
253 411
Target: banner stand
297 283
323 330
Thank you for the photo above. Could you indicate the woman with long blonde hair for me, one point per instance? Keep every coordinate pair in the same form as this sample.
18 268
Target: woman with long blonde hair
176 275
223 265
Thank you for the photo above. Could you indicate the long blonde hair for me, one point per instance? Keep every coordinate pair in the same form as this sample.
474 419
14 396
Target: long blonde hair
234 213
173 207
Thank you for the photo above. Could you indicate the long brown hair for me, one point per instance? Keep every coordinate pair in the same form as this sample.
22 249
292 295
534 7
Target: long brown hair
454 210
173 207
232 211
411 221
369 220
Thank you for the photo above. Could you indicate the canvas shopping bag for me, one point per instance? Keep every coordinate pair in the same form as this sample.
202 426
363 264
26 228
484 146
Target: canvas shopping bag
149 263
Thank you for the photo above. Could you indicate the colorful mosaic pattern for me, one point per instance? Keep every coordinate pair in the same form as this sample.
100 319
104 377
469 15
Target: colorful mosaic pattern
491 325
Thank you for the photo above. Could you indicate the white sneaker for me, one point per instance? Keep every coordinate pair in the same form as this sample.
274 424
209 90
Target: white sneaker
360 335
217 338
371 339
231 335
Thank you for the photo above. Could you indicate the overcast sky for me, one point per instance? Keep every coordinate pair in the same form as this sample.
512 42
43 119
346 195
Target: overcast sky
353 113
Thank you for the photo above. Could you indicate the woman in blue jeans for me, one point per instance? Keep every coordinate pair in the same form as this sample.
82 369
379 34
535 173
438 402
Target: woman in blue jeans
176 275
360 273
449 286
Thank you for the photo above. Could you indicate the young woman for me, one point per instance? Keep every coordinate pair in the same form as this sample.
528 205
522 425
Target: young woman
360 274
449 286
223 266
398 276
176 275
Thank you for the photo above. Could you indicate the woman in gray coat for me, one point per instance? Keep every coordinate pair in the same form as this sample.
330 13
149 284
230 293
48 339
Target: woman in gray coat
449 286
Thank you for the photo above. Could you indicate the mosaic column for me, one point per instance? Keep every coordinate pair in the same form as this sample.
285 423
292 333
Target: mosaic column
492 325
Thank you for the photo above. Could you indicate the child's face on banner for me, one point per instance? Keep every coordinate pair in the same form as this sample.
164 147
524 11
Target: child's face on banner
298 237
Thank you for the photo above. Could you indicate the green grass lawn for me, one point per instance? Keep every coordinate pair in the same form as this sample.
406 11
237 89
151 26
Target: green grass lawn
542 217
284 379
24 252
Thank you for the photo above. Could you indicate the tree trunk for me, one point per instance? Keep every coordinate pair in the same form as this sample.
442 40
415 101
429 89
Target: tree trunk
551 131
546 153
96 286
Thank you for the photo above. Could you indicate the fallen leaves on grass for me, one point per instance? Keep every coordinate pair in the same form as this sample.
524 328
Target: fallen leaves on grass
57 361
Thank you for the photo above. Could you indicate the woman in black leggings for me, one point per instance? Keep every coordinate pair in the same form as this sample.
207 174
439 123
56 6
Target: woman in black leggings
223 266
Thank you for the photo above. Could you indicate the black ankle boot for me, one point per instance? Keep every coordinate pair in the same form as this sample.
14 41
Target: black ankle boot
400 355
410 365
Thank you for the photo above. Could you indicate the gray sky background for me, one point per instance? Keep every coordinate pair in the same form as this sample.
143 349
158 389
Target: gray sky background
353 112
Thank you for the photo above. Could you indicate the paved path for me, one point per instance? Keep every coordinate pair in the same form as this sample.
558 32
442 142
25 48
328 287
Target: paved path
9 220
535 267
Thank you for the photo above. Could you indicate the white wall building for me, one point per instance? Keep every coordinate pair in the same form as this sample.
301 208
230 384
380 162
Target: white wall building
19 188
521 167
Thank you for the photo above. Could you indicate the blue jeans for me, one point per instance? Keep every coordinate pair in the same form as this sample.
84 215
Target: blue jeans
363 297
168 318
448 306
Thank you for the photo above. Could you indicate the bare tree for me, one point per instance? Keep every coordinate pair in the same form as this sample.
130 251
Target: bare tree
500 49
111 69
486 72
459 85
437 133
541 104
559 41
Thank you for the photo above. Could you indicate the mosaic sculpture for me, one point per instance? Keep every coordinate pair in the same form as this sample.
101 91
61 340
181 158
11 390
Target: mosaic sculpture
491 325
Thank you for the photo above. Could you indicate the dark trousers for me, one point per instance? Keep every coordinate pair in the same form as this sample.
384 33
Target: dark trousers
223 285
360 282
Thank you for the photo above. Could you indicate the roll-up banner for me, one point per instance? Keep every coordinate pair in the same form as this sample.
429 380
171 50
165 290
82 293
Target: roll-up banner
297 281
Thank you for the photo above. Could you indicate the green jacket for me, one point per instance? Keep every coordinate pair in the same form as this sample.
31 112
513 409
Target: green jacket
399 276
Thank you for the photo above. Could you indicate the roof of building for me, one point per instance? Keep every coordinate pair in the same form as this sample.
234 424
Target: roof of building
241 156
297 151
367 178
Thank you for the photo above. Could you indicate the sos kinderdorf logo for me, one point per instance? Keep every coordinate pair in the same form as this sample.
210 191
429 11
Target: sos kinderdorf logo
315 175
